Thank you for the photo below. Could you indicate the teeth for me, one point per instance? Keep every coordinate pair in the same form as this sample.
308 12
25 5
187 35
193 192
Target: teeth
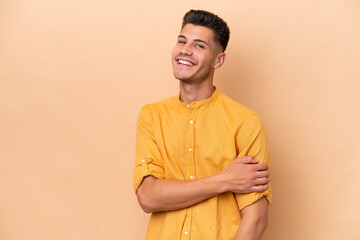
184 62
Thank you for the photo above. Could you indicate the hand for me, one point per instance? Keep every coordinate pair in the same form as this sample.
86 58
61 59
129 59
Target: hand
245 175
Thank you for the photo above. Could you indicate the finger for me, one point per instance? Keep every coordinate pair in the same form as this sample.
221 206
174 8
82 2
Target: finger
262 174
259 188
261 167
261 181
247 159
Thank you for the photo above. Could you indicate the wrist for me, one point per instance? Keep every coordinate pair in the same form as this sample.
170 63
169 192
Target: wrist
221 183
213 185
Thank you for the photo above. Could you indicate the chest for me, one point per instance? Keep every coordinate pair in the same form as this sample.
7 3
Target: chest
199 141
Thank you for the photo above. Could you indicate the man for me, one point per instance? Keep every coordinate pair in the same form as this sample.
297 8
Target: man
201 158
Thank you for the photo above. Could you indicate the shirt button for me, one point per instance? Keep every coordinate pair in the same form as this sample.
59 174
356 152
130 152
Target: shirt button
190 149
191 177
191 121
143 160
188 106
186 233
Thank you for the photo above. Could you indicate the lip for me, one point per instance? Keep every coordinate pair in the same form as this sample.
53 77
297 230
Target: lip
186 60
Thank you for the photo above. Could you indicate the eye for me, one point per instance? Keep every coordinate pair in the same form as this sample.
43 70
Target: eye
200 46
181 42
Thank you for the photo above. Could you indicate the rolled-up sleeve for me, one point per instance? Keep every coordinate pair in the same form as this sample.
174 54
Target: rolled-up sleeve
251 140
148 159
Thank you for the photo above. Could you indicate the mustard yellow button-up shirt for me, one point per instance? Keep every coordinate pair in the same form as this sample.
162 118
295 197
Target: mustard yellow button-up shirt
183 141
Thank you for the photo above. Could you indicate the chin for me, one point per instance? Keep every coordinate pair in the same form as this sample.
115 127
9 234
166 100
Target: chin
182 77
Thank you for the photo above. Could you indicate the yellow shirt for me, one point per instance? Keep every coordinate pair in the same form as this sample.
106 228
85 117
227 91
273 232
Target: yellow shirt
183 141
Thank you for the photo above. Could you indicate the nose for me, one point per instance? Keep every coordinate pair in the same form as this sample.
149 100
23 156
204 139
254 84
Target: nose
186 50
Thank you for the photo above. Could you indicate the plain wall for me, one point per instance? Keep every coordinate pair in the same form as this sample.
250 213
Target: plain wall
74 74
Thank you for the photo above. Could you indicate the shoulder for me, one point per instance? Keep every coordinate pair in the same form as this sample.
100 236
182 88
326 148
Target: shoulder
246 121
237 110
158 107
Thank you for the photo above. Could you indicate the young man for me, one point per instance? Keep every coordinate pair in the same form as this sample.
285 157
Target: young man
201 158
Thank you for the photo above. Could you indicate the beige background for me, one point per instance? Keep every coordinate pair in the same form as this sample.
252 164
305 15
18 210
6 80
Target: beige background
74 74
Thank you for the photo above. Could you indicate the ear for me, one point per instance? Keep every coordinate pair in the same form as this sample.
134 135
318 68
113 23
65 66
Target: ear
220 59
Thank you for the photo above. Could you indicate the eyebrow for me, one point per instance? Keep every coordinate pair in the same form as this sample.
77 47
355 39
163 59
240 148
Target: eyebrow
196 40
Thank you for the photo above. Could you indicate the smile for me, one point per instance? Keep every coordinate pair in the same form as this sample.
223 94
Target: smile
188 63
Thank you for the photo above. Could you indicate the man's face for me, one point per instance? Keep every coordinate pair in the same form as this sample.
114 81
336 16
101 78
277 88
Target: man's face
195 54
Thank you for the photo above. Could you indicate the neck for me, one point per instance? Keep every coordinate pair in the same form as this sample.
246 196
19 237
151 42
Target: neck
193 92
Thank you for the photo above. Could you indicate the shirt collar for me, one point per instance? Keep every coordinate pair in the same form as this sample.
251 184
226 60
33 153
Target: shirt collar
200 103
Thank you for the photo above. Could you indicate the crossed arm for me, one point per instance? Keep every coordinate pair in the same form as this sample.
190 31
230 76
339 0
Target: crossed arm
242 175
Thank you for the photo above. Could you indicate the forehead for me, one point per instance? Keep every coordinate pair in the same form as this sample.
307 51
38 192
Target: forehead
192 32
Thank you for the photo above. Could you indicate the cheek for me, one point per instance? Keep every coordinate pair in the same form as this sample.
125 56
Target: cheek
205 60
175 51
211 61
